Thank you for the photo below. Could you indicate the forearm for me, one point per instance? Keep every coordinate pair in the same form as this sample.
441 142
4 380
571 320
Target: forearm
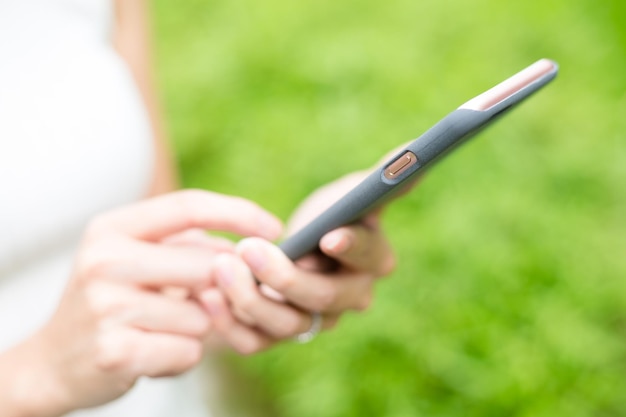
132 40
28 386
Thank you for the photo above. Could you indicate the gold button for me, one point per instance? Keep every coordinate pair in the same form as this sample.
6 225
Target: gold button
404 162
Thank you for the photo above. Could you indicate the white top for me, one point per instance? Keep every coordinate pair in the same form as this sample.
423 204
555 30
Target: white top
74 141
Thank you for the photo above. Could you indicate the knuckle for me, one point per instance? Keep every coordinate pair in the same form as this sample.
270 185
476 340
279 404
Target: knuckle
98 258
283 280
95 266
110 354
247 301
100 228
100 302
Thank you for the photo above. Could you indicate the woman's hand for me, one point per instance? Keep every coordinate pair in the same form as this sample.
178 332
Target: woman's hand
341 278
122 315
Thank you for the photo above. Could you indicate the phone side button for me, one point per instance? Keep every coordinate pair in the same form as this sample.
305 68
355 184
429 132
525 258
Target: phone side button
404 162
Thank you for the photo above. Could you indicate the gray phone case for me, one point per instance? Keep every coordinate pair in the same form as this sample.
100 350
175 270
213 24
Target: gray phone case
442 138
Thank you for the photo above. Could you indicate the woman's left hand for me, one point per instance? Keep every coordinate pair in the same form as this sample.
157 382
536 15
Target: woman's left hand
252 317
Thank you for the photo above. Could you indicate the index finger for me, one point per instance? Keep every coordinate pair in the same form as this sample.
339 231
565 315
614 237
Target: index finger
159 217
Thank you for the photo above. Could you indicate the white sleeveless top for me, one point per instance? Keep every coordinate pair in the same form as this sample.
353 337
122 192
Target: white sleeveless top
74 141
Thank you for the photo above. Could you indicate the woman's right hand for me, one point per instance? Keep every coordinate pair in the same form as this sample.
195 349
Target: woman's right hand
121 317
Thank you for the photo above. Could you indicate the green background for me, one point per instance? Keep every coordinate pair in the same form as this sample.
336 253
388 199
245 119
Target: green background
510 295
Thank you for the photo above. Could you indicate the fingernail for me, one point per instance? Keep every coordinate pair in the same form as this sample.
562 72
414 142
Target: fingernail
225 274
254 257
271 293
337 242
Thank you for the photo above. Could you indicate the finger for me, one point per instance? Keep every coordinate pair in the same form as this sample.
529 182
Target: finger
201 239
160 314
251 307
148 354
244 339
131 262
271 293
318 262
166 215
121 305
360 248
308 290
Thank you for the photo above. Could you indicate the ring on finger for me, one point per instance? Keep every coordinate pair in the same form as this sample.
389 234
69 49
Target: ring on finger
316 326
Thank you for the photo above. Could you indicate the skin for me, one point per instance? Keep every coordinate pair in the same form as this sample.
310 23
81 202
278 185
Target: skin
251 318
119 319
150 287
360 262
132 40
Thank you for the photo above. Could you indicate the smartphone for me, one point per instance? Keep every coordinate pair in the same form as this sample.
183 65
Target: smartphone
419 155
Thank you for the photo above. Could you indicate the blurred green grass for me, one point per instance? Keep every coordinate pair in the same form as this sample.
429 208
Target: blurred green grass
510 295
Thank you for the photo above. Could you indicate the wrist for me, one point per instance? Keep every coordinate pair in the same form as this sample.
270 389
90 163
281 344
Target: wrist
28 382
